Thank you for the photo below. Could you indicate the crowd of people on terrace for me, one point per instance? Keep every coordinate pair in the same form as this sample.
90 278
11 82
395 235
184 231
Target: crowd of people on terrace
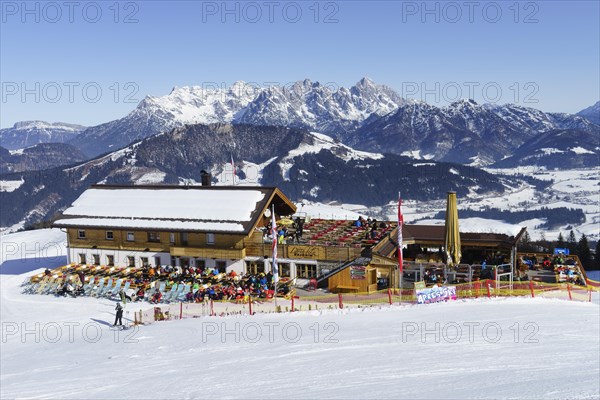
204 284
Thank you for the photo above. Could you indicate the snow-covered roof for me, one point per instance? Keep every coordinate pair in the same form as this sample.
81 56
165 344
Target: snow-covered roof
181 208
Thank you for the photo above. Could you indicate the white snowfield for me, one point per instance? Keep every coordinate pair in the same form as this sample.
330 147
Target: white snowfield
501 348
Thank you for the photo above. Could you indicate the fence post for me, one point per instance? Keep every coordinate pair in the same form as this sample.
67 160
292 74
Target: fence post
293 298
590 298
250 304
180 310
569 290
531 288
390 296
341 304
487 284
212 308
477 288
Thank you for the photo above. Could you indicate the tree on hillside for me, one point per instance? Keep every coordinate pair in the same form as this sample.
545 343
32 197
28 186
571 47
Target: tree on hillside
583 251
560 243
572 242
526 245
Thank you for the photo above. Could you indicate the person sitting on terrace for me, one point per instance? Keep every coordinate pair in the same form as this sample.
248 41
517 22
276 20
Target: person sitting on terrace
47 272
151 272
269 277
358 222
189 296
281 236
156 297
140 293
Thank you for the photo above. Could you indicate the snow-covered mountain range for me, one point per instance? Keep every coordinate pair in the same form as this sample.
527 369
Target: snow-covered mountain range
366 116
464 131
29 133
302 105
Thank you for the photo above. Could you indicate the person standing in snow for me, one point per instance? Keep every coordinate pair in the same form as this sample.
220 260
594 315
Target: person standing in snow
119 315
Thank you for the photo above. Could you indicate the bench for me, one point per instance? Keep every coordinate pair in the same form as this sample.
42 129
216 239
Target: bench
346 289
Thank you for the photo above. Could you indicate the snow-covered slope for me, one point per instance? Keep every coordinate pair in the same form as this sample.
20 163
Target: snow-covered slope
500 348
29 133
592 113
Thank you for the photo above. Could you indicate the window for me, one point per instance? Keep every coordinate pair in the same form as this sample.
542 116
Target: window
221 267
173 261
110 261
200 263
306 271
109 235
96 258
255 267
184 238
80 234
82 259
144 261
284 270
210 238
153 236
172 238
130 261
156 261
130 237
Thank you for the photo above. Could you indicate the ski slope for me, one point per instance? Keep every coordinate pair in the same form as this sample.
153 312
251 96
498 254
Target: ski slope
500 348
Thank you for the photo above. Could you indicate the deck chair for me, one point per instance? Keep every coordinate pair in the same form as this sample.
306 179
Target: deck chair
56 286
43 285
169 296
100 288
107 288
115 291
52 285
87 288
97 287
185 289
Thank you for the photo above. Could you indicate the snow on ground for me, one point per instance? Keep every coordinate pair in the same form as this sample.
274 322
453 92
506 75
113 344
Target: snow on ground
328 211
499 348
10 186
30 250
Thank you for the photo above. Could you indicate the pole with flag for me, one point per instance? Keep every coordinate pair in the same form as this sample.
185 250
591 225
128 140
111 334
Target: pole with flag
232 170
400 259
275 269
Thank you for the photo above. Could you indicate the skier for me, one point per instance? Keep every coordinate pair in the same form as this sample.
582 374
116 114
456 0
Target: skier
119 315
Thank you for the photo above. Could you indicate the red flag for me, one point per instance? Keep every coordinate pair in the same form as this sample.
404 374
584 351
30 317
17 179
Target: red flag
400 225
274 246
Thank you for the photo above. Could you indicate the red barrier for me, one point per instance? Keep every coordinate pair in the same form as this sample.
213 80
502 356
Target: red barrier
489 291
476 287
293 298
390 296
531 288
341 304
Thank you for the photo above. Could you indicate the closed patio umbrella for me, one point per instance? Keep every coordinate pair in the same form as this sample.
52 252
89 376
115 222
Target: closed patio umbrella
452 237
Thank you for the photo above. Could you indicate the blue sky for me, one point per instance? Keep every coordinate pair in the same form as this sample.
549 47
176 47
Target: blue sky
91 62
